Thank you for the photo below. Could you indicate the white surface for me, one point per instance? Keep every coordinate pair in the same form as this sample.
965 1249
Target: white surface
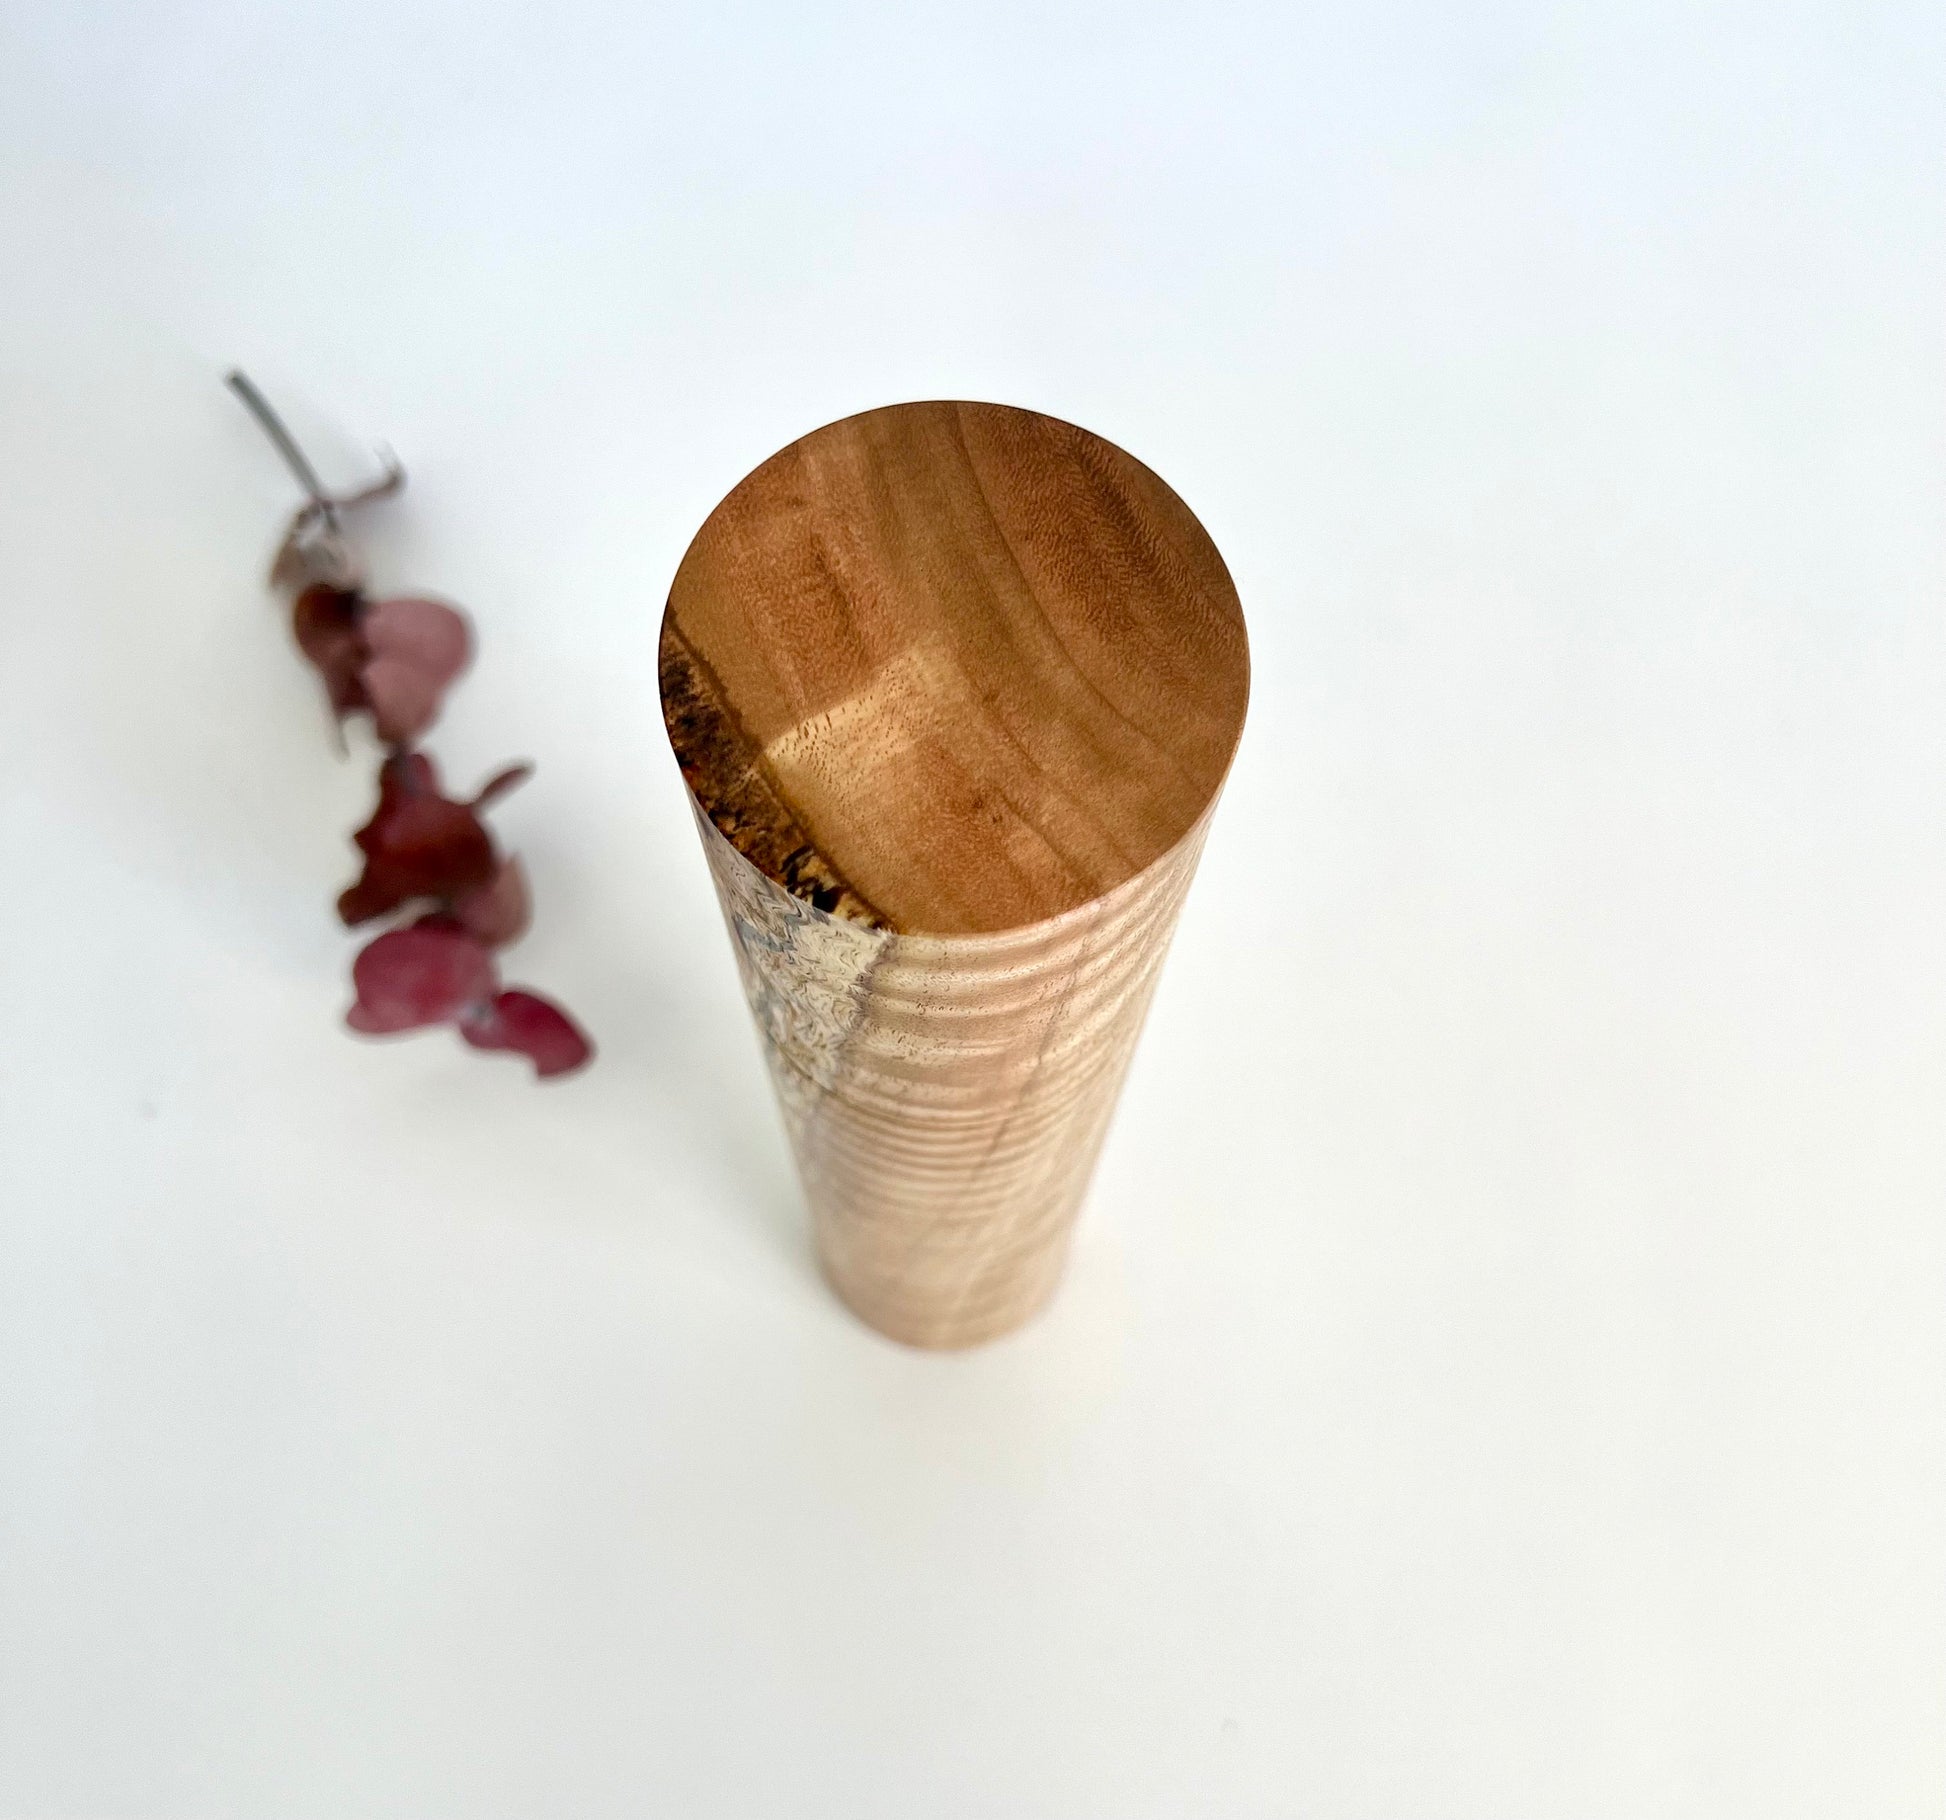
1502 1374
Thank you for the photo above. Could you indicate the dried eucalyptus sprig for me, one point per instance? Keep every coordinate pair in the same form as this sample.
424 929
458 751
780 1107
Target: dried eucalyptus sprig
430 861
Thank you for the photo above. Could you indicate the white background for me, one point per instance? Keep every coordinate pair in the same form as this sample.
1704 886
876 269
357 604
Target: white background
1503 1371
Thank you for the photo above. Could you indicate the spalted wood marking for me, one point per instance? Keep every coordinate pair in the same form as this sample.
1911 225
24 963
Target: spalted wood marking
954 688
745 802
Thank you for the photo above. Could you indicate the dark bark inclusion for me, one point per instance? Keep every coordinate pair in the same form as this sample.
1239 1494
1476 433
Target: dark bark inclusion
725 772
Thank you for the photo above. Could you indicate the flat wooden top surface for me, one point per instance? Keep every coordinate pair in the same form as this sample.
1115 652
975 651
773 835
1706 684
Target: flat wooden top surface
947 668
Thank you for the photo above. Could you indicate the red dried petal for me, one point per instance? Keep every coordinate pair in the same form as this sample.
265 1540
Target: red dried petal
415 648
327 623
532 1025
408 979
417 844
499 911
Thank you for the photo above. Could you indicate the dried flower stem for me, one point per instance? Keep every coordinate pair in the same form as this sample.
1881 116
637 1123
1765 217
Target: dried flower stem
286 444
427 856
321 506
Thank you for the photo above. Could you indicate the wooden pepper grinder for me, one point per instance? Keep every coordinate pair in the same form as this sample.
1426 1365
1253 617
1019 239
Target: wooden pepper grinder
954 688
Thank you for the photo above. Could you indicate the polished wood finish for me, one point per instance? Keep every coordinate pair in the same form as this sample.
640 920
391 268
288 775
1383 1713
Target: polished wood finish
954 688
953 668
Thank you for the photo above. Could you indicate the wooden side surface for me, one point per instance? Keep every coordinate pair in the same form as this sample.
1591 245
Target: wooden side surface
945 1098
954 688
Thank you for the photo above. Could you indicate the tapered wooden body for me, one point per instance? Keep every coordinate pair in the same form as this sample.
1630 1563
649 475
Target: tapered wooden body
954 688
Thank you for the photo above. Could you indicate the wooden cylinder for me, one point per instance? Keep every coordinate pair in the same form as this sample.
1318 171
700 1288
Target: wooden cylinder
954 688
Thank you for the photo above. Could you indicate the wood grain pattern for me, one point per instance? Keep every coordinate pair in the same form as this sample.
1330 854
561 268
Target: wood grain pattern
954 688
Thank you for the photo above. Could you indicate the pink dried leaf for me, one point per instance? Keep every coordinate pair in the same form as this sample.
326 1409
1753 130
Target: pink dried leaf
427 634
405 701
327 623
532 1026
501 782
416 648
418 844
408 979
499 911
